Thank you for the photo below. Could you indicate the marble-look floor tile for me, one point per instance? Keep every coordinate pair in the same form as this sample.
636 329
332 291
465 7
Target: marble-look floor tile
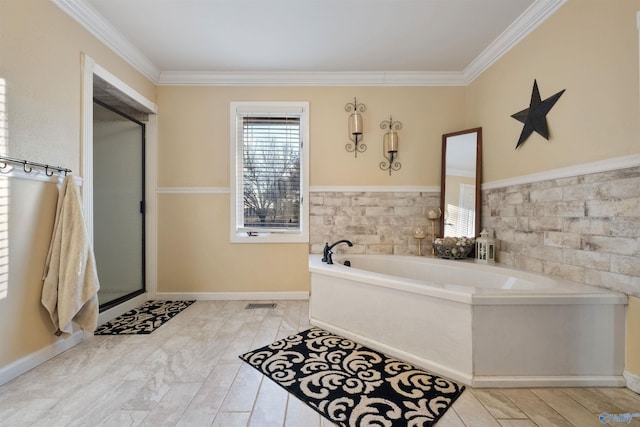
243 390
472 413
623 398
536 409
574 412
169 410
270 406
231 419
498 404
19 415
113 401
590 399
516 423
205 405
124 418
450 419
187 373
300 414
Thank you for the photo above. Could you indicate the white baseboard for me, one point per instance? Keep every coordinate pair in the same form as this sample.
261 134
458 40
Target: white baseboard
633 381
120 309
20 366
547 381
239 296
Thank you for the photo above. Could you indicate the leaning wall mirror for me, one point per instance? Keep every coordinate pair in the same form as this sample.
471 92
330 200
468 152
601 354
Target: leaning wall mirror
460 183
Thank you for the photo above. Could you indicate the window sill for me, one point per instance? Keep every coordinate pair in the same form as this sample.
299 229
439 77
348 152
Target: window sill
269 238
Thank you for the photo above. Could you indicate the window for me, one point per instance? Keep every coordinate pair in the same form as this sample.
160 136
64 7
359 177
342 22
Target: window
269 172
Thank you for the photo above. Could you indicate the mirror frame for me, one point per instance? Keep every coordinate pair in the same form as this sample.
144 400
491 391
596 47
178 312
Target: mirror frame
478 132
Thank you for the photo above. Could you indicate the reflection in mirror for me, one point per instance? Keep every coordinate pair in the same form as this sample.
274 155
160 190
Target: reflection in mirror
460 183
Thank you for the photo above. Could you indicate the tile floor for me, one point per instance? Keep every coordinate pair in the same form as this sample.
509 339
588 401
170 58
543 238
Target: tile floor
187 373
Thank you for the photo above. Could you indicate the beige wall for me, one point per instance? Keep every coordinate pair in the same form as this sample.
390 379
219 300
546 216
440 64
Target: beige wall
589 48
25 323
194 253
40 62
194 132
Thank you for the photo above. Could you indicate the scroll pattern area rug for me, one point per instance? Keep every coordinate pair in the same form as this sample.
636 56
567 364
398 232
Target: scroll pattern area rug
144 319
353 385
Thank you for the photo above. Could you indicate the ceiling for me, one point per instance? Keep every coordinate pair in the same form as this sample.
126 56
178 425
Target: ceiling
368 41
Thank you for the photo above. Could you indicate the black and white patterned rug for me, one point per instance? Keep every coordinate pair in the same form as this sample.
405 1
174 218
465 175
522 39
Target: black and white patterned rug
353 385
144 319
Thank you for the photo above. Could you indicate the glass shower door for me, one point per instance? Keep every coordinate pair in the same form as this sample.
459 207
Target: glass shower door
118 200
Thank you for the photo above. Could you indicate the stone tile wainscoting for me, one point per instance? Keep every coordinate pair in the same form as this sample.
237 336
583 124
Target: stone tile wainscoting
584 228
378 221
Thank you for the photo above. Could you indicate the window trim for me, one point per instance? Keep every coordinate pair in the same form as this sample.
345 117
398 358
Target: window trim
272 236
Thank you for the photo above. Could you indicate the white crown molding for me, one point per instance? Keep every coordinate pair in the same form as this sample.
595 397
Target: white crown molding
537 13
373 189
93 22
283 78
607 165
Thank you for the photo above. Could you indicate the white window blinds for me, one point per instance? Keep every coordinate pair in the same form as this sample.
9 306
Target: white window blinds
269 163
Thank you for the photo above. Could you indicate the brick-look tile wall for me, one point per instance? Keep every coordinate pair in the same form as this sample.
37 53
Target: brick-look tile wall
376 222
584 228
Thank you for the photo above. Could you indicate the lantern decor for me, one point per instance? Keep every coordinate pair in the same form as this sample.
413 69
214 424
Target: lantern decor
356 125
419 233
390 145
485 248
433 215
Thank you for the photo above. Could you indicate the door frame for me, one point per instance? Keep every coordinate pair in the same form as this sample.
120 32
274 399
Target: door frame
89 69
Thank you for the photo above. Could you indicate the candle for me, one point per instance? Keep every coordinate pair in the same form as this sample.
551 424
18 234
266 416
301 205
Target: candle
390 142
355 124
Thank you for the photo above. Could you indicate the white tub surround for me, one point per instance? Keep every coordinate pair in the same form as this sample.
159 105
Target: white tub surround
485 326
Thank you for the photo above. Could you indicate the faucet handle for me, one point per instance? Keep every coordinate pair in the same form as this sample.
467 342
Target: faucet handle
325 253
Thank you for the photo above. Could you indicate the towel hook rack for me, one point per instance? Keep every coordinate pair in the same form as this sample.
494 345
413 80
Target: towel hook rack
28 166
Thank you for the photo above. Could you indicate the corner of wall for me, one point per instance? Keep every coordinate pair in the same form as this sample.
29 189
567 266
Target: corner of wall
632 368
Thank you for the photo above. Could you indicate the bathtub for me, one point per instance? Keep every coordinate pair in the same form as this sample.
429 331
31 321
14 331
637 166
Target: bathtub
482 325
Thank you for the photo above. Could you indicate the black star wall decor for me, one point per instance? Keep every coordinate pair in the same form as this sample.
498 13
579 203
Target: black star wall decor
535 117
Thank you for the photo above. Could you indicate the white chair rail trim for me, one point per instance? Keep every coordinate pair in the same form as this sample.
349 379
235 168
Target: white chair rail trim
612 164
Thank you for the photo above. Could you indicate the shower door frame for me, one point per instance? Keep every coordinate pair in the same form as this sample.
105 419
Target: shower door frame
89 69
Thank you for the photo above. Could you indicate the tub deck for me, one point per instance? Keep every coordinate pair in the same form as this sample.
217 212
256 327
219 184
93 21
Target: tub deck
512 329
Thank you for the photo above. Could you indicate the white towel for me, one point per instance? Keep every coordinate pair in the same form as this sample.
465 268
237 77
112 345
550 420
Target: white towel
70 290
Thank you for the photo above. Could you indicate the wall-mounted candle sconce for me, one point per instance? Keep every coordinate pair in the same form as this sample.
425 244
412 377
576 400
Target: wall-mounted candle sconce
356 125
390 145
